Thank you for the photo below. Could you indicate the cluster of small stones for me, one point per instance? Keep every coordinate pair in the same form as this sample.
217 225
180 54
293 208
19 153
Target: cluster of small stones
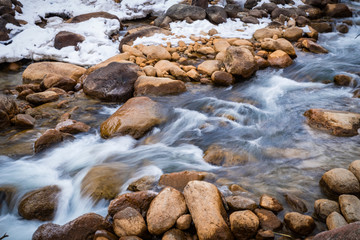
8 8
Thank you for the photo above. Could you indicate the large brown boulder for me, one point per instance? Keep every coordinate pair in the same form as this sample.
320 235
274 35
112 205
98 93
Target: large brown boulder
338 10
115 82
87 16
164 210
293 34
348 232
65 39
207 210
50 138
178 180
136 117
263 33
129 222
158 86
339 181
81 228
40 204
58 81
338 123
240 61
244 224
299 223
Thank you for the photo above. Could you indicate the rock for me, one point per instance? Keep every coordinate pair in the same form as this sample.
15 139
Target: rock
338 123
212 32
342 80
130 238
216 14
8 110
200 3
268 220
165 67
298 223
270 203
158 86
50 138
261 62
104 181
279 44
221 45
335 220
249 4
65 39
164 210
129 222
287 12
23 121
250 19
178 180
237 203
163 21
293 34
322 27
232 10
207 210
87 16
134 51
355 168
193 74
36 72
182 11
257 13
348 232
184 222
216 155
265 235
40 204
104 235
350 207
302 21
206 50
150 71
174 234
296 203
314 12
83 227
115 82
142 184
140 201
338 10
240 61
313 47
324 207
339 181
156 52
209 66
136 117
72 127
58 81
279 59
342 28
42 97
6 3
244 224
222 78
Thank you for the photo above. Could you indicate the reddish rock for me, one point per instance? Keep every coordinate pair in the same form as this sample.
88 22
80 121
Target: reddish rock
300 224
50 138
87 16
268 220
270 203
244 224
338 10
178 180
72 127
339 181
23 121
222 78
279 59
240 61
65 39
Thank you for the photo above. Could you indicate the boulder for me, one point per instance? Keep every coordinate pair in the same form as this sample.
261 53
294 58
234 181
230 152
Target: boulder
348 232
115 82
156 52
268 220
40 204
355 168
240 61
335 220
158 86
200 3
216 14
219 156
244 224
36 72
163 21
321 27
50 138
250 19
237 203
270 203
314 12
8 110
232 10
135 118
220 45
83 227
296 203
184 222
164 210
65 39
350 207
249 4
194 75
23 121
324 207
313 47
105 235
129 222
174 234
87 16
42 97
339 181
279 59
207 210
165 67
342 28
337 10
72 127
206 50
178 180
299 223
140 201
209 66
222 78
287 12
302 21
279 44
338 123
293 34
142 184
182 11
58 81
342 80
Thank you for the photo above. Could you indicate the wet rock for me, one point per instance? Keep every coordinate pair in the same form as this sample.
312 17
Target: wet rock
268 220
33 87
279 44
270 203
237 203
140 201
302 21
261 62
36 72
72 127
50 138
178 180
350 231
335 220
130 238
104 235
313 47
142 184
339 181
156 52
296 203
83 227
222 78
135 118
216 14
129 222
65 39
87 16
232 10
165 67
324 207
322 27
240 61
200 3
342 80
338 10
174 234
209 66
184 222
158 86
265 235
300 224
8 109
42 97
249 4
342 28
182 11
115 82
314 12
224 157
104 181
40 204
164 210
244 224
293 34
355 168
58 81
23 121
338 123
350 207
207 210
279 59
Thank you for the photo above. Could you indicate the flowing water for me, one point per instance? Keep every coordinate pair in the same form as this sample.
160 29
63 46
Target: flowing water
262 117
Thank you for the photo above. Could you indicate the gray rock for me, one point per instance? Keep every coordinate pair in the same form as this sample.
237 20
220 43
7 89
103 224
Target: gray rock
216 14
335 220
182 11
324 207
350 207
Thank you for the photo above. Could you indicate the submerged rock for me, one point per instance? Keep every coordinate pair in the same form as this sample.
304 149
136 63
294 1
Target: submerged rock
237 203
219 156
42 97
